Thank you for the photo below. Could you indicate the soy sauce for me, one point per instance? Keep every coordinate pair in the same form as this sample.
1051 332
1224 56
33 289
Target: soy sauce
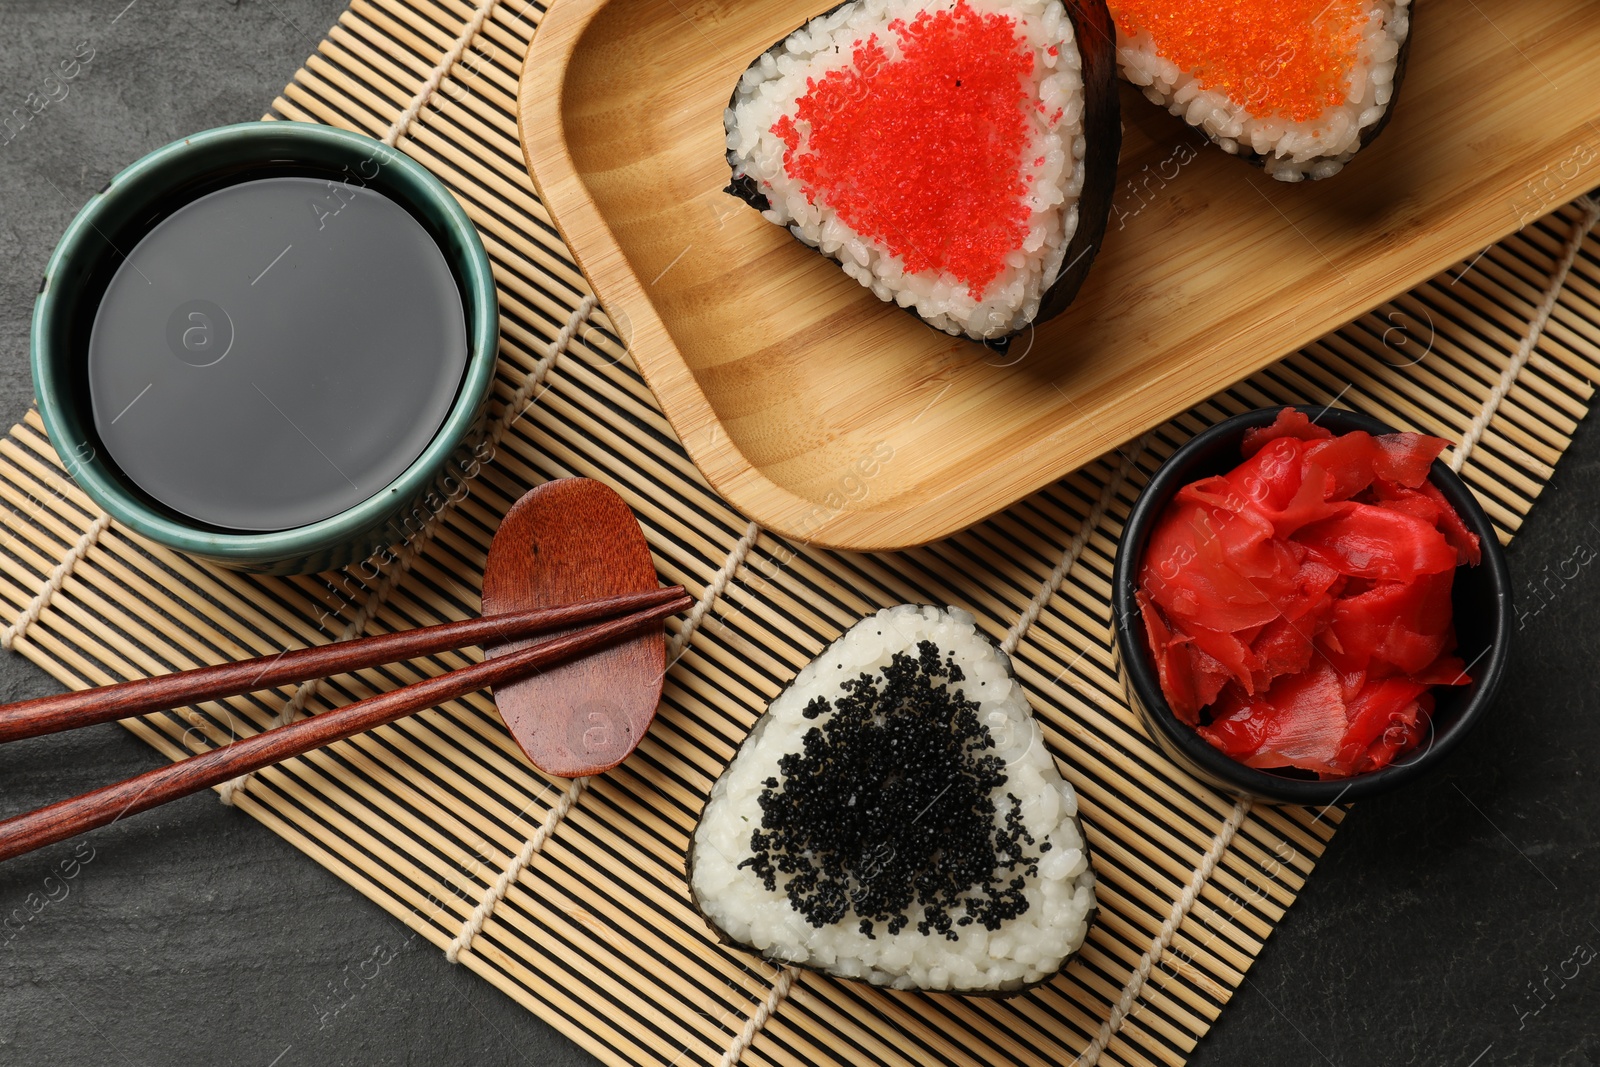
276 352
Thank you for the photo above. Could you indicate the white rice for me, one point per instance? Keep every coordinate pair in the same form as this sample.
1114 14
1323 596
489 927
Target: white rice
1291 151
1025 949
772 85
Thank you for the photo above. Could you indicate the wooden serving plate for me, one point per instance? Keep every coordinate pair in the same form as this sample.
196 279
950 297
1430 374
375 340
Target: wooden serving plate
832 418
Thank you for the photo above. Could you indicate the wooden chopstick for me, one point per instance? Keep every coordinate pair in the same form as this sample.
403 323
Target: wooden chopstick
66 711
67 818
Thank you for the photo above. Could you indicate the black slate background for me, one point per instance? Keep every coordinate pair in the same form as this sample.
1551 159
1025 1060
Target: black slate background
1453 924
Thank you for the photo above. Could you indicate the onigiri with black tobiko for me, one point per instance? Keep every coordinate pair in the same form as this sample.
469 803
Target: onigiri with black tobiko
895 817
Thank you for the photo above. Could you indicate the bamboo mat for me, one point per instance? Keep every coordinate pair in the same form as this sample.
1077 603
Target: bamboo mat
570 896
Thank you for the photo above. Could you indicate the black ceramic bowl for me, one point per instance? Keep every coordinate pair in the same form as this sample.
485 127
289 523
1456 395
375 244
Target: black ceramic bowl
1483 619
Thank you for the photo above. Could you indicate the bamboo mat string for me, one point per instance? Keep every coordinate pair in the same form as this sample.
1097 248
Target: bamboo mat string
1159 944
714 589
513 870
1224 837
1075 547
1530 339
553 819
400 565
518 404
402 123
295 708
758 1019
58 577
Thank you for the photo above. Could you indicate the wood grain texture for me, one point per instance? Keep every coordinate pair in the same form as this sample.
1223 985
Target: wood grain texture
575 539
67 818
787 382
597 936
86 707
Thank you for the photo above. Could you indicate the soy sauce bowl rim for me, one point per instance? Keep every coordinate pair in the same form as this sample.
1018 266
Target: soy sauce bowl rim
1138 668
280 142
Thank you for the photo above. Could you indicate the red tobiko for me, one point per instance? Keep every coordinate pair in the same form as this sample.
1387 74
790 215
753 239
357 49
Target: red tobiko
1298 607
924 153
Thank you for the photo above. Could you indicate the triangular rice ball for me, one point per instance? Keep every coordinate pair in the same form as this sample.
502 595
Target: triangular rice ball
1295 86
957 157
895 817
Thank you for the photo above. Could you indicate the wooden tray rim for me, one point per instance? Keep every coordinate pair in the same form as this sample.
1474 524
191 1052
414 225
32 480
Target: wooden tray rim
540 100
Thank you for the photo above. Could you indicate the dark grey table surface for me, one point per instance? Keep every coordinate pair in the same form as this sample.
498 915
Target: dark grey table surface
1453 924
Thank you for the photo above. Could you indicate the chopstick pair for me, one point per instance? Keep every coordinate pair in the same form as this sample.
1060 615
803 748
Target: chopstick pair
614 619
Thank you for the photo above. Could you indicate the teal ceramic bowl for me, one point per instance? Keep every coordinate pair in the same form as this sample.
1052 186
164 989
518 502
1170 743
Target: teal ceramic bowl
129 207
